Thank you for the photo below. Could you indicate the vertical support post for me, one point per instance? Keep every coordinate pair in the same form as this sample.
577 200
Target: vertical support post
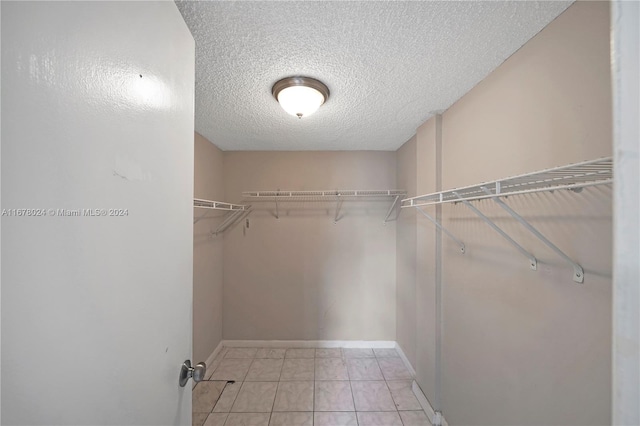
437 406
578 272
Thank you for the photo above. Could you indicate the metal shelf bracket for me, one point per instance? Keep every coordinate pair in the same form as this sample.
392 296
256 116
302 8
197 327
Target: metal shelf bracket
533 262
231 219
573 177
443 229
234 211
197 219
338 206
578 272
393 206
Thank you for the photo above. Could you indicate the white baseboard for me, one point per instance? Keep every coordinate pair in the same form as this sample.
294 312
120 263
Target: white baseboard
378 344
213 360
426 406
424 402
214 354
405 360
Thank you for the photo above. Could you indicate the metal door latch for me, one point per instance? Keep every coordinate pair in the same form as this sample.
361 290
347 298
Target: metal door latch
187 372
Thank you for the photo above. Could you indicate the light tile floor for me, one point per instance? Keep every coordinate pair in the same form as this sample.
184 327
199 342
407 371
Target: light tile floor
300 387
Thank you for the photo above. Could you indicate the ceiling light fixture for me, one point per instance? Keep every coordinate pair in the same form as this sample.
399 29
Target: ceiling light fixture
300 96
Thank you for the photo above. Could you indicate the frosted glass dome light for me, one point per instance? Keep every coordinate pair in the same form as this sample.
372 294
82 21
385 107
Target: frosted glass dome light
300 96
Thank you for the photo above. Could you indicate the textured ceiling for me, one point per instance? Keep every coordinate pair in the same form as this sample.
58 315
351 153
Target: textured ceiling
389 65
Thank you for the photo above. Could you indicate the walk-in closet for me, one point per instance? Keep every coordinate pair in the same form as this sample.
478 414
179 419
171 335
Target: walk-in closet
477 254
320 213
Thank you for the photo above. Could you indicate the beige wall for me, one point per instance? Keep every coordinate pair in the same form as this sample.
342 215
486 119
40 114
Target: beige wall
207 251
302 276
406 254
524 347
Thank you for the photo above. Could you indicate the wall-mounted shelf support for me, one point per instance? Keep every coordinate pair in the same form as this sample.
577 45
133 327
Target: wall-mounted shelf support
230 220
338 206
197 219
276 201
533 263
234 212
443 229
573 177
578 272
393 206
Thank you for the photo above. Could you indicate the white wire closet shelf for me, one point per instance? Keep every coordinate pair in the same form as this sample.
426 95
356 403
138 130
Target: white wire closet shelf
573 177
217 205
234 212
323 195
337 195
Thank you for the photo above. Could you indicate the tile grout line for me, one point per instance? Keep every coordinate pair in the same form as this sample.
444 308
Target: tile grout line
273 404
389 389
313 401
315 380
355 411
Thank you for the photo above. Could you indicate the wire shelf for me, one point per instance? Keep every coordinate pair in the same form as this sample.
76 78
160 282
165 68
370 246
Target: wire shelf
217 205
330 195
572 176
234 212
334 195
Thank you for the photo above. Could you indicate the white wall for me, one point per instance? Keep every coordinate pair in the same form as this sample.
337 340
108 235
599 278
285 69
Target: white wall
518 346
625 23
97 108
302 276
207 250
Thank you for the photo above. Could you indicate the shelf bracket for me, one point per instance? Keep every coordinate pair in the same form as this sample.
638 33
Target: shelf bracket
231 219
533 263
578 272
196 220
338 206
276 200
393 206
443 229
